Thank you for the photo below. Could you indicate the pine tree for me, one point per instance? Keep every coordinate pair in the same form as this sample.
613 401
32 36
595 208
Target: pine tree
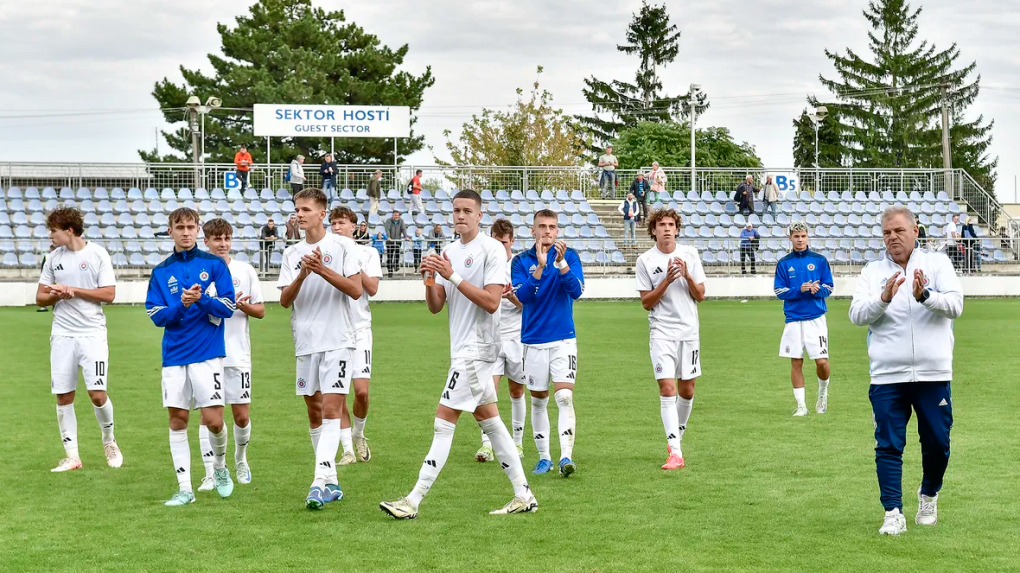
656 42
889 108
286 51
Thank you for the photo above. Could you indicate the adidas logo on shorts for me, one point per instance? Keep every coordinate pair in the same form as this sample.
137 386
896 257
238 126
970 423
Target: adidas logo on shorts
245 396
216 396
338 384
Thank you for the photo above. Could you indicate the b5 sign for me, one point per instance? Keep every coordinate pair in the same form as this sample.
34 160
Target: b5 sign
785 181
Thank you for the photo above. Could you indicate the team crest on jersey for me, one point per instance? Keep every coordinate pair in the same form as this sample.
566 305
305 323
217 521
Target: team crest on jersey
203 276
467 262
83 266
172 285
811 266
327 259
237 283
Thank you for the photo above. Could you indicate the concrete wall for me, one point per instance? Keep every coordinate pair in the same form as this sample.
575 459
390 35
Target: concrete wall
133 292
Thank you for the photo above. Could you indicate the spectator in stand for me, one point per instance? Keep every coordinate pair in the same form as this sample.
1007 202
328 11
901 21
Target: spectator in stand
374 192
297 174
268 235
361 233
630 211
971 244
380 243
436 238
748 244
608 165
293 230
328 172
656 180
922 232
242 163
414 190
744 196
770 195
417 247
396 233
952 232
639 189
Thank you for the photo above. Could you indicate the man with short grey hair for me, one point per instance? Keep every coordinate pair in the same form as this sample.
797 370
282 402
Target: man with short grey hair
608 165
910 346
296 174
374 192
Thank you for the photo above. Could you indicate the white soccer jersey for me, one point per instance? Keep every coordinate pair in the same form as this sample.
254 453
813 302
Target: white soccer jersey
235 335
89 268
368 262
509 314
676 315
320 317
474 333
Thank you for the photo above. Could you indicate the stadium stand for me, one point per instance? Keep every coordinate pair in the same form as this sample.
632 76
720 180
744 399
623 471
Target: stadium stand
844 225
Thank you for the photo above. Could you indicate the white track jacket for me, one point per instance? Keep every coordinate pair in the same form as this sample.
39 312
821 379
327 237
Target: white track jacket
909 341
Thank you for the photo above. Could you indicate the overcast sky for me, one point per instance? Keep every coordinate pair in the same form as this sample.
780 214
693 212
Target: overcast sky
100 55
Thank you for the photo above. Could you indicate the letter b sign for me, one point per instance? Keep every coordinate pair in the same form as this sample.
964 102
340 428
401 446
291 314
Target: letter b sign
230 180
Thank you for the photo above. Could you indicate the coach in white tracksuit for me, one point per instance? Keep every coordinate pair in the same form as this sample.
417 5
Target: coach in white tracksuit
910 344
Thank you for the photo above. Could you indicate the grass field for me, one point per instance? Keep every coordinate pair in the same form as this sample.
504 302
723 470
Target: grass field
762 490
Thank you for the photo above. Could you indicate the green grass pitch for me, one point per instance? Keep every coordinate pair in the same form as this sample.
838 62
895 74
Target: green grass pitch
762 491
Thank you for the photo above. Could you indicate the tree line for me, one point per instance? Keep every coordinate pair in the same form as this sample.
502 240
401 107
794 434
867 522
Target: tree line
885 106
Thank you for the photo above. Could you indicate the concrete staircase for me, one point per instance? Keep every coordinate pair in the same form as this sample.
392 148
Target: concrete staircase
613 222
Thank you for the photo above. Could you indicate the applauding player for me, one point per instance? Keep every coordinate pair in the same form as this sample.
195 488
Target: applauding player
318 278
803 281
671 281
471 279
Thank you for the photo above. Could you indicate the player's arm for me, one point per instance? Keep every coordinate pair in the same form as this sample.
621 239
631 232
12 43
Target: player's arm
827 284
782 285
102 294
222 305
524 289
252 303
371 273
44 293
573 274
349 284
948 300
695 277
488 298
161 313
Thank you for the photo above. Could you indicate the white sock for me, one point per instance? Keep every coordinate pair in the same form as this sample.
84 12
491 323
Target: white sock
798 393
218 443
506 455
823 386
180 452
683 413
315 433
67 422
241 438
346 441
518 414
442 440
540 426
325 452
358 431
208 457
567 422
670 423
485 440
104 415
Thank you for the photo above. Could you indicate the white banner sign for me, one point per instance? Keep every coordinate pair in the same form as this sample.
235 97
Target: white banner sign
286 120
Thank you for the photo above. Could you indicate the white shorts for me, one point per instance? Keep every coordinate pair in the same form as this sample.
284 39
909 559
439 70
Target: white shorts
511 361
199 384
237 385
327 372
675 359
469 385
68 353
363 354
809 335
558 363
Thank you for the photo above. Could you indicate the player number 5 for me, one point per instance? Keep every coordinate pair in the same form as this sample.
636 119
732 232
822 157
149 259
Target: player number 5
216 380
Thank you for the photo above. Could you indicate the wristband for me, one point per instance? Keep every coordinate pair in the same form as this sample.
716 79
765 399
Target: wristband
561 264
455 280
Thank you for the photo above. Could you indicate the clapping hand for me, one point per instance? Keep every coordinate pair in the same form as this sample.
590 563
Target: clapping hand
63 292
918 283
242 299
312 262
438 264
542 254
675 270
561 249
892 286
191 295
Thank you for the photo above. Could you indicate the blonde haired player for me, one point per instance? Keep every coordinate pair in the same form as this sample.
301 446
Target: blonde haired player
671 281
237 363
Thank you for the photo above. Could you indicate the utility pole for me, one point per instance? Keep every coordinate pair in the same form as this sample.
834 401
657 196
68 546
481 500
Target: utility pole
193 124
947 153
695 90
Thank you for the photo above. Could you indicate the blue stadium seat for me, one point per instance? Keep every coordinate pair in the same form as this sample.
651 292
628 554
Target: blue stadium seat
150 194
282 195
32 193
217 194
14 193
234 195
532 195
94 232
251 195
547 195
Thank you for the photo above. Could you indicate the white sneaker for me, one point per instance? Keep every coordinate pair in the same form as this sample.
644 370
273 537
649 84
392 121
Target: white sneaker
927 509
400 509
894 523
347 459
114 458
361 449
823 402
66 465
243 472
800 411
517 505
208 484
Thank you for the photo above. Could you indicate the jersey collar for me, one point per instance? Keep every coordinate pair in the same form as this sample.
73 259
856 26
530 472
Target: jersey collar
188 255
